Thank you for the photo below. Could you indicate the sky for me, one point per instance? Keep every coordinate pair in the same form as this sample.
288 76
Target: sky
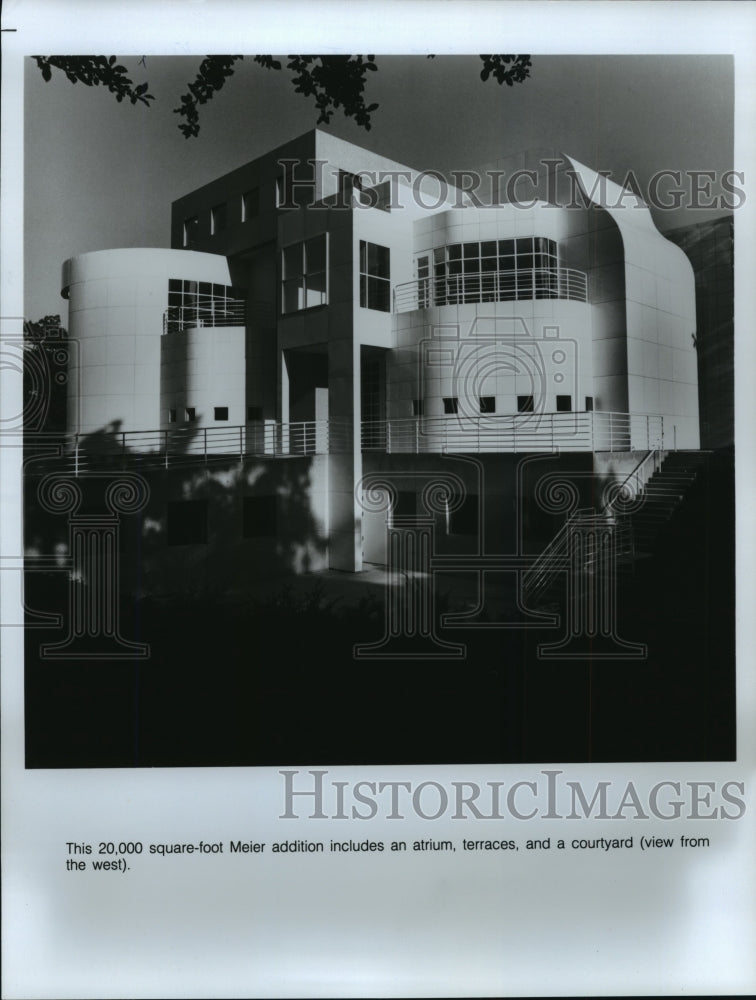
99 174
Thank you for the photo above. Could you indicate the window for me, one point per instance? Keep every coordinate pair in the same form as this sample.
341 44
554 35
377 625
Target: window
191 413
492 271
250 204
488 404
589 403
451 404
171 416
423 283
417 407
524 404
191 231
221 413
564 404
304 275
259 518
254 413
202 303
375 277
217 219
186 522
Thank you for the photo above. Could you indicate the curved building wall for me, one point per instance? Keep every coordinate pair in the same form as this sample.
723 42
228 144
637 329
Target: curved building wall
462 360
117 299
203 379
659 355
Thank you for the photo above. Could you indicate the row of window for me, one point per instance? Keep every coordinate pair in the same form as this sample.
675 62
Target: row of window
489 271
190 414
254 413
246 208
294 189
487 404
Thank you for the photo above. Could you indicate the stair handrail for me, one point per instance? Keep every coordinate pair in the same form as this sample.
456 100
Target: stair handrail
545 567
655 454
541 568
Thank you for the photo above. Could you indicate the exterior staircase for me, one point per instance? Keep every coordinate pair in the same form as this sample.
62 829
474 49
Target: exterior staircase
635 535
663 494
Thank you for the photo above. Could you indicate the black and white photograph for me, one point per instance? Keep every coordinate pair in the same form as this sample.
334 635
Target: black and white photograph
369 433
431 462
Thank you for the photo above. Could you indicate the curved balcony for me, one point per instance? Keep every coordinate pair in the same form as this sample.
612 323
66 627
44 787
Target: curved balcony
492 286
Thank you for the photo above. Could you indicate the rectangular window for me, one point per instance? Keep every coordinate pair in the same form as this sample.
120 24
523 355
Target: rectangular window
171 416
564 404
375 277
217 219
191 413
417 408
254 413
221 413
250 204
259 518
186 522
304 275
423 283
488 404
524 404
191 231
589 403
451 404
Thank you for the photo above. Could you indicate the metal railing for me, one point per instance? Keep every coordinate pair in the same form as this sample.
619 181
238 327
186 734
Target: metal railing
191 444
523 432
228 312
492 286
557 558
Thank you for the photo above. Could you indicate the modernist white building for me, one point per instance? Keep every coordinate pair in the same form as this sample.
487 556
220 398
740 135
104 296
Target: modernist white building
325 302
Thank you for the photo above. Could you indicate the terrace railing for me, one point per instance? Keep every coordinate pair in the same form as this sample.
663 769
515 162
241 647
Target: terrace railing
228 312
191 444
522 432
492 286
525 432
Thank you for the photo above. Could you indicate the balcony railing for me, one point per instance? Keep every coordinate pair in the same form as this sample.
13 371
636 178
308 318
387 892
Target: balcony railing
191 445
229 312
492 286
522 432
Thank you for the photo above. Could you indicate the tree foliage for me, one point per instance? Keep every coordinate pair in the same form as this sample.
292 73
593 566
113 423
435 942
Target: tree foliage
335 82
96 71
